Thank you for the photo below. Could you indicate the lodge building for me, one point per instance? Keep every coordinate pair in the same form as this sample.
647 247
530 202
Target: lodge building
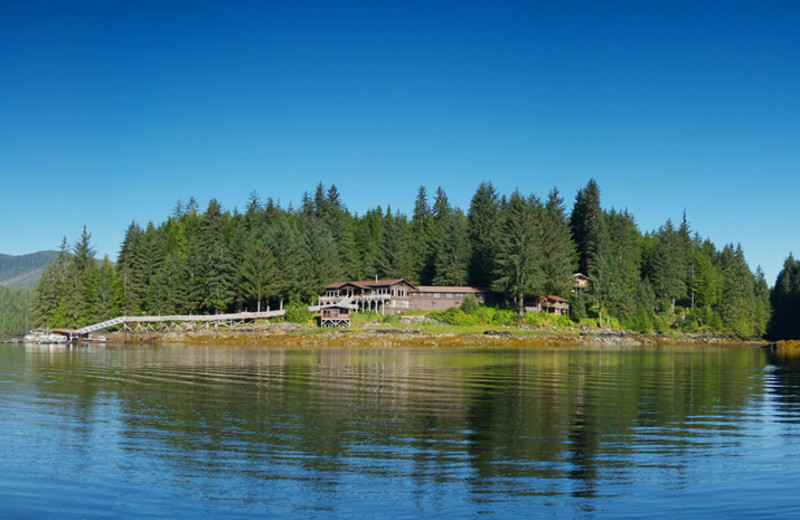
398 295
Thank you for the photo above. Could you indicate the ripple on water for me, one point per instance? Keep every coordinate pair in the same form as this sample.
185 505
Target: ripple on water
246 433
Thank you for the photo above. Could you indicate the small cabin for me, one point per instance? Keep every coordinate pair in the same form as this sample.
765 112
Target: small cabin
581 282
546 303
332 316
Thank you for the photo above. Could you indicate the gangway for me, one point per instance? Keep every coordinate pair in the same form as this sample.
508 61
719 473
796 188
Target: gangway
175 319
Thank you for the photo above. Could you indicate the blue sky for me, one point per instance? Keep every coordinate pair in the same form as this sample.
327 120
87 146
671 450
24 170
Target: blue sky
110 112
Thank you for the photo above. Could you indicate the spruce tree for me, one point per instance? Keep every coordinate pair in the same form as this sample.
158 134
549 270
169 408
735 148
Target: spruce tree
451 257
785 302
109 302
218 273
588 227
558 249
48 306
668 270
323 253
392 259
80 283
483 223
128 270
421 240
736 306
624 247
518 270
257 271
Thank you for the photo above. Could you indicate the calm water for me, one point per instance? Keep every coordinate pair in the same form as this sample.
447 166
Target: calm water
200 432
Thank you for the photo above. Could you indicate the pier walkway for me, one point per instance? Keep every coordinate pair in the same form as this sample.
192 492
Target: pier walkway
186 322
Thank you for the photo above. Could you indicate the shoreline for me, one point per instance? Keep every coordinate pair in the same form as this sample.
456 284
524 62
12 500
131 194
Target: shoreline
295 335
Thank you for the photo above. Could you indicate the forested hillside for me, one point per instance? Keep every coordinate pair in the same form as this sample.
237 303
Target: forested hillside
14 305
23 271
212 260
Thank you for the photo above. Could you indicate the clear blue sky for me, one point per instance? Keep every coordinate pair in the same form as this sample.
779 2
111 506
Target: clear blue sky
110 112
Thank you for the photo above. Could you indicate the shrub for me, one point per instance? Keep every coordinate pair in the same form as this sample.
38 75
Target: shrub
437 316
454 316
543 319
486 314
469 305
505 317
660 323
640 321
577 307
296 312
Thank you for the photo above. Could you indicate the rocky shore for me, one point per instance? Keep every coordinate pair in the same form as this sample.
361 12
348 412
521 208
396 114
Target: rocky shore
289 334
788 346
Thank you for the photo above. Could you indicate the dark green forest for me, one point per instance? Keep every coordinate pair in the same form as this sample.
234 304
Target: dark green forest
14 304
215 260
785 299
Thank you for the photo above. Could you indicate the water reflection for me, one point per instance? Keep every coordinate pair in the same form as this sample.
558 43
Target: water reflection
407 432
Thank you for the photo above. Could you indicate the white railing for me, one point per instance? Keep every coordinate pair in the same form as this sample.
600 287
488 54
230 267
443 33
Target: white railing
182 317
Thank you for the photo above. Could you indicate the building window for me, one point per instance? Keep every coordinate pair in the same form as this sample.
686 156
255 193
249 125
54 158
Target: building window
436 295
450 295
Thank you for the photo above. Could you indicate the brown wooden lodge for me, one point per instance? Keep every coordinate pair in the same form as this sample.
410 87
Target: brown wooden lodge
397 295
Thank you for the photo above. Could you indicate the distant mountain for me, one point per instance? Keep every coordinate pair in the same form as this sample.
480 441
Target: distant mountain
23 271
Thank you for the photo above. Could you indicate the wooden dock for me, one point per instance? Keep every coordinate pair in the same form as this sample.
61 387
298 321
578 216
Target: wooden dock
184 322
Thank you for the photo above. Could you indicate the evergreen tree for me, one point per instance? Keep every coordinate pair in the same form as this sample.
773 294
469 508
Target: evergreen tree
193 272
323 253
292 262
421 240
165 295
48 305
440 215
785 302
668 271
451 258
624 238
367 233
762 310
588 227
483 223
706 280
558 249
79 293
393 258
257 270
736 305
14 310
607 289
218 273
108 292
518 269
128 270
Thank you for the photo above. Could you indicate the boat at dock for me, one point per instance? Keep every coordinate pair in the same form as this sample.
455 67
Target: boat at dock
45 337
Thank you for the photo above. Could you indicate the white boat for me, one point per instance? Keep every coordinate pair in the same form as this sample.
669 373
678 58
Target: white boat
45 337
